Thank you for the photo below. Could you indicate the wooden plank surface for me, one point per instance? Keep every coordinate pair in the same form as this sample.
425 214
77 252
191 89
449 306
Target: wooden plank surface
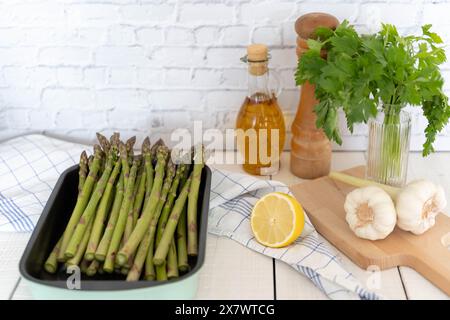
290 284
11 249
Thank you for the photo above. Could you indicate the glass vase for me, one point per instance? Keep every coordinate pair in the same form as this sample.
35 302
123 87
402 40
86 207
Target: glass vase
388 147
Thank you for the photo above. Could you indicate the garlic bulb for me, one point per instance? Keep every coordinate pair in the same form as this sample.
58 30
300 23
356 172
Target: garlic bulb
418 204
370 213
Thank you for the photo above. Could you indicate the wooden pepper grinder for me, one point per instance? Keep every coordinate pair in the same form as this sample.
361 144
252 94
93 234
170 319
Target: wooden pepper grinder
310 147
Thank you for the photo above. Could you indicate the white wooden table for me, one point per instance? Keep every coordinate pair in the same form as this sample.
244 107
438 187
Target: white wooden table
232 271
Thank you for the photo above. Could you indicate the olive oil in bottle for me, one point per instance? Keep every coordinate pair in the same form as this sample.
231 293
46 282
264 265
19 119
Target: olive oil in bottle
260 124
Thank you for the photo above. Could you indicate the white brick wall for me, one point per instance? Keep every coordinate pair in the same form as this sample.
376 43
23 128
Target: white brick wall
71 67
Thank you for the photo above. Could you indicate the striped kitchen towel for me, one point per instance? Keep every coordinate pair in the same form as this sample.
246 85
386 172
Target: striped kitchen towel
30 166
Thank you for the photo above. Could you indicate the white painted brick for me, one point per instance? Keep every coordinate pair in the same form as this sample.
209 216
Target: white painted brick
287 79
176 56
340 10
92 14
136 118
18 56
150 36
436 13
29 77
149 77
225 119
58 98
225 99
197 13
236 36
176 100
94 76
177 119
148 13
34 14
179 36
16 97
207 35
18 118
284 58
12 36
47 36
120 56
288 33
95 120
178 77
270 36
288 100
267 11
69 76
236 78
399 14
225 57
65 56
121 35
69 118
89 36
122 76
122 98
207 78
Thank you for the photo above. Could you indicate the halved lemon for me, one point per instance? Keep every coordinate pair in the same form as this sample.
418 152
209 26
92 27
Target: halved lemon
277 220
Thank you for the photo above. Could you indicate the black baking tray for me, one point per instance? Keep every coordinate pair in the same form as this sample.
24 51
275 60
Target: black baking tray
53 221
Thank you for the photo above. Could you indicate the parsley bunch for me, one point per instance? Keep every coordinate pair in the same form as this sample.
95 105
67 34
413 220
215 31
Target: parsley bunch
364 72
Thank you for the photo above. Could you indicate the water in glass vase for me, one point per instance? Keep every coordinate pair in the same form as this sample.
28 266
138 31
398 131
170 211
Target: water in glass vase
260 124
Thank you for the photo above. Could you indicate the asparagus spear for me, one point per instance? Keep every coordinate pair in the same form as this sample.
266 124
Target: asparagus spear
149 171
121 220
146 217
51 264
83 171
102 212
163 246
165 207
140 194
125 164
84 265
149 266
182 257
172 264
82 201
104 142
161 272
75 260
102 249
93 268
192 201
130 216
143 250
91 208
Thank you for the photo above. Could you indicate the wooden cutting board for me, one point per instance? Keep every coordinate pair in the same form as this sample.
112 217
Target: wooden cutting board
429 254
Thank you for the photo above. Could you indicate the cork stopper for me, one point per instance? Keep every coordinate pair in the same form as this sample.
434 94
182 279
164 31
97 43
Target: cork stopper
257 56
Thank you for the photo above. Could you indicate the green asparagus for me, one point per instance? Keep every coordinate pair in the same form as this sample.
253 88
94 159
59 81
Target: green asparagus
83 171
102 249
172 264
90 210
144 221
163 246
82 201
121 221
192 202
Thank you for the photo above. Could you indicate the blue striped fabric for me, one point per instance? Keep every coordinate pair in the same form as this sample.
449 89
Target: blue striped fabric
30 166
233 196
